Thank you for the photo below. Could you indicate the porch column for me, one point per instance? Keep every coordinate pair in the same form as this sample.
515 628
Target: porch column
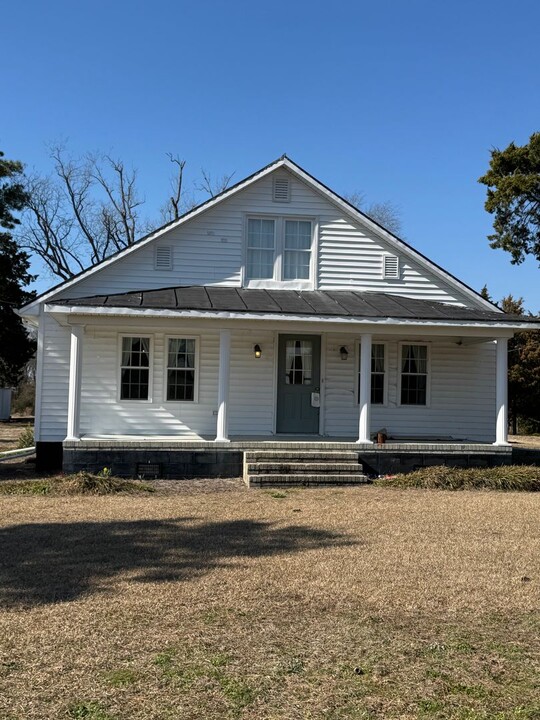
223 385
75 377
501 392
365 389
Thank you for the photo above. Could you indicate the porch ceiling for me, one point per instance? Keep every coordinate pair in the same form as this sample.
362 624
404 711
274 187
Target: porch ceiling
309 303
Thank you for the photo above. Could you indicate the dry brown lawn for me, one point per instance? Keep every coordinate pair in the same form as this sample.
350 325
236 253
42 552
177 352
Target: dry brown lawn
312 604
525 441
10 433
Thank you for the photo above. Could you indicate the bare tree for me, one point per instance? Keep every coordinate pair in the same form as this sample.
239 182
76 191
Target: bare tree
386 213
176 183
84 211
213 186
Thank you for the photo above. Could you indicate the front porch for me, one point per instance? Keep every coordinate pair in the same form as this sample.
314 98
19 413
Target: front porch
328 460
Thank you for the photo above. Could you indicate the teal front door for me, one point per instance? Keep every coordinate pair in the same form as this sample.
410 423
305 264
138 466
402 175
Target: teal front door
298 387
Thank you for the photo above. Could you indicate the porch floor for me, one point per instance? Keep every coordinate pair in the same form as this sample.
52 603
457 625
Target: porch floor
285 442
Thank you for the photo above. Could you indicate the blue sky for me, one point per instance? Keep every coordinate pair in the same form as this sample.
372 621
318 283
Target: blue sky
400 100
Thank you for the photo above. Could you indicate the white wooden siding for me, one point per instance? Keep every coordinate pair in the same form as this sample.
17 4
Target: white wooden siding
251 384
103 412
251 400
462 398
54 387
208 250
462 386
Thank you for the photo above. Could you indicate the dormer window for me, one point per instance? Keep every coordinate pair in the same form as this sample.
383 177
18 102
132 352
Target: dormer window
261 245
297 250
278 249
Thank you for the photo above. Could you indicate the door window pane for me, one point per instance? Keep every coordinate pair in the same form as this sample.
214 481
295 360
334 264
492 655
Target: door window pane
298 362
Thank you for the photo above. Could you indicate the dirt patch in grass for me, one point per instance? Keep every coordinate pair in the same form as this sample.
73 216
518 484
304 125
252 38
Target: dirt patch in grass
325 603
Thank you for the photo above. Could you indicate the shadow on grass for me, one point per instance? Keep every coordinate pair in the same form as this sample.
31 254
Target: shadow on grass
47 563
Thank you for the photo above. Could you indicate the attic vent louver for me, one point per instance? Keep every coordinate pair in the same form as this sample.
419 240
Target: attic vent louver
163 257
281 190
390 267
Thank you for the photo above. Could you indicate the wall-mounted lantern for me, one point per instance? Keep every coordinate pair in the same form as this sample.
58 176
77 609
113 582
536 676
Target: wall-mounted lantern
343 352
257 351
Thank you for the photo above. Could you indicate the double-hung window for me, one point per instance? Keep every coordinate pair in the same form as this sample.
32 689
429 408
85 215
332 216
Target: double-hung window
278 249
414 374
378 374
135 368
297 250
261 248
181 369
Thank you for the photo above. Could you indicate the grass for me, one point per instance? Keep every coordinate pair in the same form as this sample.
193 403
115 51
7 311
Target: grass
507 477
322 605
82 483
11 433
26 438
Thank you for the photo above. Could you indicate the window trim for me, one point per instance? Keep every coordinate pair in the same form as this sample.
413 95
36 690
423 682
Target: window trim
175 336
119 397
357 374
427 345
277 281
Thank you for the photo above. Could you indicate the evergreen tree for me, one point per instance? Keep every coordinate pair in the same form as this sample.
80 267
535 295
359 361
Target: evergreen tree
16 348
513 197
523 370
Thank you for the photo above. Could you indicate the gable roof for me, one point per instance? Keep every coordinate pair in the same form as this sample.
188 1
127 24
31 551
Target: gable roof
310 180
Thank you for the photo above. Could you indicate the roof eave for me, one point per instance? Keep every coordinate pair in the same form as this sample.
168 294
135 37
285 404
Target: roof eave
93 311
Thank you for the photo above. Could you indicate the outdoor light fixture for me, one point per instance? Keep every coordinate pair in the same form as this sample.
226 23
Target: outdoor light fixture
343 352
257 351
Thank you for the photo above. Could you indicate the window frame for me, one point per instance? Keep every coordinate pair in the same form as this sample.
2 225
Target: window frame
119 367
427 345
166 368
357 374
277 280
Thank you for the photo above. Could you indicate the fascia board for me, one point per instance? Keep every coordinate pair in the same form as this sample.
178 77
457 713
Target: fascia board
269 317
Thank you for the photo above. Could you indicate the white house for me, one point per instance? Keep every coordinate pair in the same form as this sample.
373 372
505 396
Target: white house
275 311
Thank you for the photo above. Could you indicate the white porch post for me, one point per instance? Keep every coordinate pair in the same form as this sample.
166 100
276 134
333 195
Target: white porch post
502 392
365 390
75 377
223 385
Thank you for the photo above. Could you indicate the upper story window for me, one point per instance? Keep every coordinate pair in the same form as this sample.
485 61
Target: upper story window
278 249
261 246
297 250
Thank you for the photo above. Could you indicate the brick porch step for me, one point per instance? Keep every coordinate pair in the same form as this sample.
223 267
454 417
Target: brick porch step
276 468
